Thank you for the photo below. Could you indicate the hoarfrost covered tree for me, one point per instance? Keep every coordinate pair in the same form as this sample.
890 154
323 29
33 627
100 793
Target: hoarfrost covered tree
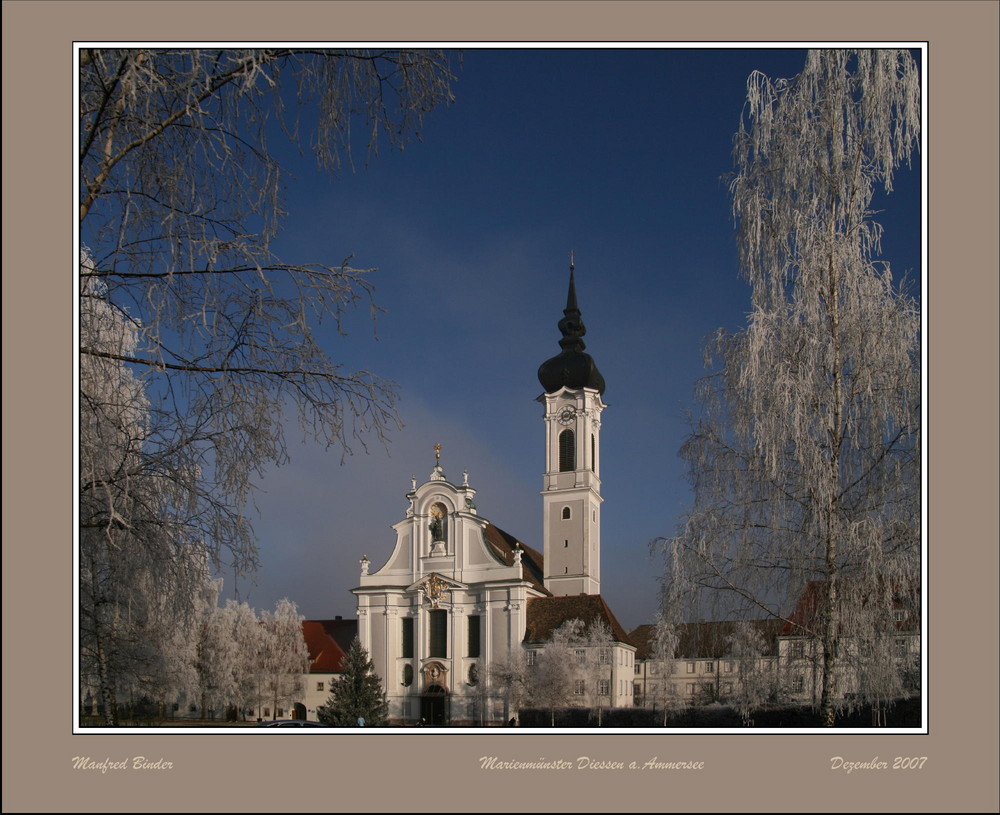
246 661
172 675
283 655
509 677
226 658
481 696
552 677
143 573
196 341
664 647
216 655
248 634
599 653
358 693
804 457
756 676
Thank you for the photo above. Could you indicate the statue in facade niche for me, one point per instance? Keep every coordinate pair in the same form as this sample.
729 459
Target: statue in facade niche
438 532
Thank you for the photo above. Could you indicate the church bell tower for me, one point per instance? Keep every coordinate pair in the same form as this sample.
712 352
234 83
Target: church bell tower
571 494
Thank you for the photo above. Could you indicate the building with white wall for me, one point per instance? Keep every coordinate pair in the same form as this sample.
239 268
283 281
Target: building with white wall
457 593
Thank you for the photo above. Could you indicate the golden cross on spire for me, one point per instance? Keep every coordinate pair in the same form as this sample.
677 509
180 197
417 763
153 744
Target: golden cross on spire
437 453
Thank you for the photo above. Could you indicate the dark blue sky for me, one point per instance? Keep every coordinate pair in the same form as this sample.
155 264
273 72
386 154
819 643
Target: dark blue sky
616 154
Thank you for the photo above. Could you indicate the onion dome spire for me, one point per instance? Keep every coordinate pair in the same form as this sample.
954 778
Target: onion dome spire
572 368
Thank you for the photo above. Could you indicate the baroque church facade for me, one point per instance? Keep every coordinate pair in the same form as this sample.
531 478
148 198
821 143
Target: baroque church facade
458 594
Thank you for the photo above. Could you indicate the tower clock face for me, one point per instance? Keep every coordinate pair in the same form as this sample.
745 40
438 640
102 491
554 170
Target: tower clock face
567 415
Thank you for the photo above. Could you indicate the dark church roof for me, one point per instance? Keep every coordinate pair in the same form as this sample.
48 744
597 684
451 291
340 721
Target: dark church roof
328 642
572 368
545 614
705 639
502 544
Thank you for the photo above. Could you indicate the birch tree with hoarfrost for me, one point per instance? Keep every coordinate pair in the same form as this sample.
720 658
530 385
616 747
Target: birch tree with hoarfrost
509 676
599 654
197 343
226 651
283 658
756 677
551 678
804 455
143 581
664 650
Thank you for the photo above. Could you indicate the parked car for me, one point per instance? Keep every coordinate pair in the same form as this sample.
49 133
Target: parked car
291 723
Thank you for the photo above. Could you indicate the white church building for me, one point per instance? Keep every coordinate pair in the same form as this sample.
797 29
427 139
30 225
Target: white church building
457 593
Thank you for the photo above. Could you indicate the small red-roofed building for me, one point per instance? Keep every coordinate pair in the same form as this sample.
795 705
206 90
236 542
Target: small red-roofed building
327 641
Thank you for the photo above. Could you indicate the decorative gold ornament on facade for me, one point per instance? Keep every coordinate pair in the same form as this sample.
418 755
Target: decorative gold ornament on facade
434 588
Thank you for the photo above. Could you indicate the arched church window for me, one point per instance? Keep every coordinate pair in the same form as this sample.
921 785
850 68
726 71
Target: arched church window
593 453
407 675
566 514
567 451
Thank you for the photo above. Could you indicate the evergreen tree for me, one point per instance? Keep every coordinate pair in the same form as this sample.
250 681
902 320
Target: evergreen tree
358 694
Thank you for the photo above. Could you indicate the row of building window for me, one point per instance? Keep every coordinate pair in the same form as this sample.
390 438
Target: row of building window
726 688
438 635
728 666
603 687
603 656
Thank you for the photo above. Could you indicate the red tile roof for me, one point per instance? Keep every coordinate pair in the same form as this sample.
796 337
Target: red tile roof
328 641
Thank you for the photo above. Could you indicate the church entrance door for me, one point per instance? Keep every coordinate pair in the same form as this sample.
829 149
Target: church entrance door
433 708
